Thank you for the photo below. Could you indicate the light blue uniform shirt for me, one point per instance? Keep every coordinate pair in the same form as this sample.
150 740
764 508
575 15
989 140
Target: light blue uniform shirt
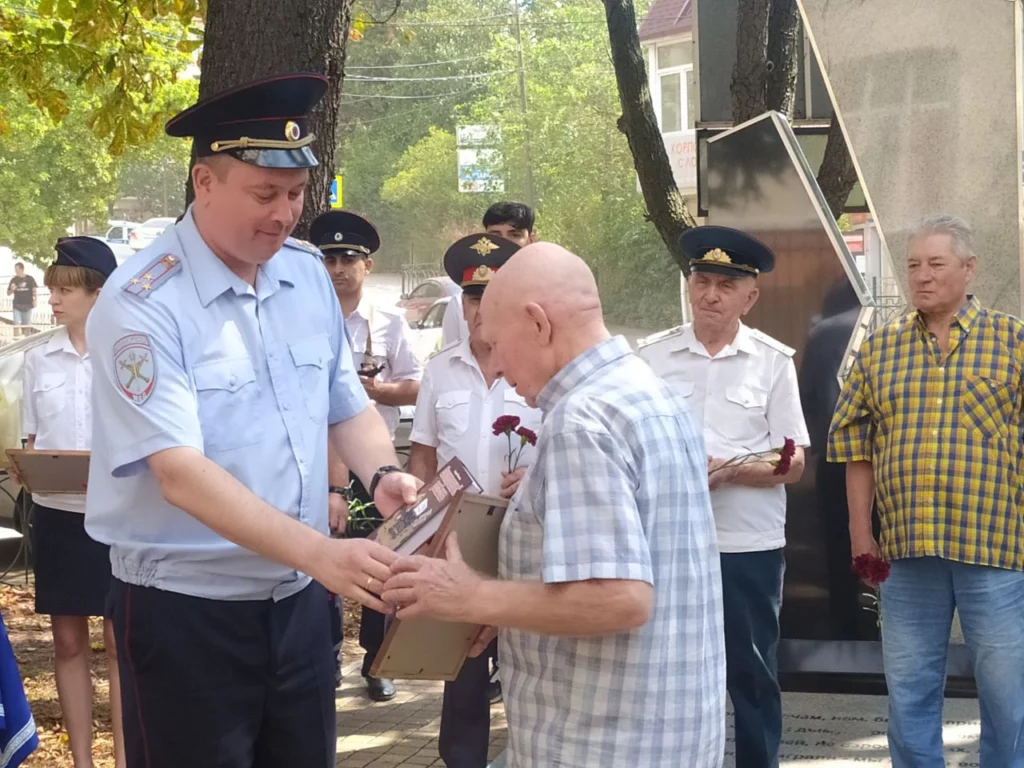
250 377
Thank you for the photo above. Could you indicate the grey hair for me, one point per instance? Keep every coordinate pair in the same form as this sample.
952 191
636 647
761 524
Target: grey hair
959 231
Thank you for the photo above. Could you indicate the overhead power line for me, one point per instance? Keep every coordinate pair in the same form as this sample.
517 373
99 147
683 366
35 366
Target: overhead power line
419 64
475 76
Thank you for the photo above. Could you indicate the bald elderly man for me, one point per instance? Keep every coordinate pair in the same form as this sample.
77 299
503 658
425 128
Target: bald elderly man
609 602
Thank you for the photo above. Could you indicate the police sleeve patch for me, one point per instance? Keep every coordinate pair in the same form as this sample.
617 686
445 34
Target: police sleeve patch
135 367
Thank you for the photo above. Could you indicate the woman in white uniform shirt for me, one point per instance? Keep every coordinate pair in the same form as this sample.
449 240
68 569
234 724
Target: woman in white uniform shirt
72 571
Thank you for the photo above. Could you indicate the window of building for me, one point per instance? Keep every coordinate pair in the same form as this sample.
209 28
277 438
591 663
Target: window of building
674 89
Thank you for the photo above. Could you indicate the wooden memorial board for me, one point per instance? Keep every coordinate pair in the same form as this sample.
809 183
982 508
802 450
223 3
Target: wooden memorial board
51 471
428 649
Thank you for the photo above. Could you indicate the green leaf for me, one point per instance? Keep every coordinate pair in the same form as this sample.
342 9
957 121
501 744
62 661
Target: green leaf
109 64
45 8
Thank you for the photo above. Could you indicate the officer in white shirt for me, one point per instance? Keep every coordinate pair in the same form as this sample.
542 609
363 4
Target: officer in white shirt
390 374
742 387
512 221
460 399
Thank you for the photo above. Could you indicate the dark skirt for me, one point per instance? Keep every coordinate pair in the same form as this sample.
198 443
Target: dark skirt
72 570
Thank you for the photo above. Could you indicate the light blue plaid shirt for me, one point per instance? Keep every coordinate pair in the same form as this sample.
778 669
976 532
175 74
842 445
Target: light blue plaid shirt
618 490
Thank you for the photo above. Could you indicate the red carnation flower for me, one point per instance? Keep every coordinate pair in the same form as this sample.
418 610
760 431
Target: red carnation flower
528 435
871 569
785 457
505 425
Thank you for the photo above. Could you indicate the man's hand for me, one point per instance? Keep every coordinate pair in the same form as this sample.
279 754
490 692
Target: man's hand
371 385
864 544
483 639
337 511
510 482
355 568
430 586
395 490
720 476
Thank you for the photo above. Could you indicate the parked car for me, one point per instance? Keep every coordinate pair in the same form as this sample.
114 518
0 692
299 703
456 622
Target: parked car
420 299
147 232
426 334
117 236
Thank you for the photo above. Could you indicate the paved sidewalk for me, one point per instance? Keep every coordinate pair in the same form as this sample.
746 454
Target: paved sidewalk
400 732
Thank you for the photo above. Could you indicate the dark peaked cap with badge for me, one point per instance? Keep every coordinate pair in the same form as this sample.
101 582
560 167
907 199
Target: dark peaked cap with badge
86 252
343 233
264 123
726 251
472 261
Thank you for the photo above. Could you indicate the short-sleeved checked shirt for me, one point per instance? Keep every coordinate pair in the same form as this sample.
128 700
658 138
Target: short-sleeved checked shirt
944 436
618 490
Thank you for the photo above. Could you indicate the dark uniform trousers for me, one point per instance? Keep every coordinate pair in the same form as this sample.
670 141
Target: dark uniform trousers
466 714
225 684
371 622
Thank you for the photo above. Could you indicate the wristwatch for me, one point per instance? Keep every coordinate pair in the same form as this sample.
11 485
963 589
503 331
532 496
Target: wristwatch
345 493
385 470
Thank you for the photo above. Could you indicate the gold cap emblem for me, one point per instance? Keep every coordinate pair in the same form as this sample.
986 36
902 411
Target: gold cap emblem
292 131
483 274
717 255
483 246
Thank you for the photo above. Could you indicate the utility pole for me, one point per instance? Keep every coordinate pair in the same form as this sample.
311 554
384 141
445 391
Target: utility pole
531 198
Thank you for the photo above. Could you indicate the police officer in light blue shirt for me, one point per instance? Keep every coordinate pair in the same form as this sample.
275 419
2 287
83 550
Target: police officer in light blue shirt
221 369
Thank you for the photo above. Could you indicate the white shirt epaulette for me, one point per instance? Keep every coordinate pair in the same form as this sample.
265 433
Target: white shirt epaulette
303 245
659 336
768 341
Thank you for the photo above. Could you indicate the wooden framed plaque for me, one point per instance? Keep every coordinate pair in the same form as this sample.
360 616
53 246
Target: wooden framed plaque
51 471
428 649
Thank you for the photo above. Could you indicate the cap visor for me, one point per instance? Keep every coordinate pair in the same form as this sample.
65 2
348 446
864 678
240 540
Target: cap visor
302 157
721 269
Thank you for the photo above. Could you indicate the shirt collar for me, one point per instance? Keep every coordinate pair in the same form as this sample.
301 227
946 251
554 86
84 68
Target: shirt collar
212 276
743 341
581 369
362 309
60 342
464 352
964 317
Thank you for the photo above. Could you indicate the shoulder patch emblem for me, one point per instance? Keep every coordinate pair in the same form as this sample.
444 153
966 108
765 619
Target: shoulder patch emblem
135 367
659 336
152 276
775 344
303 245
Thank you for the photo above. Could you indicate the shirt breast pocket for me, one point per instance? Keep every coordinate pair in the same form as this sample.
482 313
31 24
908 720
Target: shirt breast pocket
453 414
986 406
312 358
50 393
228 397
745 416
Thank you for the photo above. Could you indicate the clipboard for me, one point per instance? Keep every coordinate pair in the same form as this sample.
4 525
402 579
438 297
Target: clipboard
51 471
429 649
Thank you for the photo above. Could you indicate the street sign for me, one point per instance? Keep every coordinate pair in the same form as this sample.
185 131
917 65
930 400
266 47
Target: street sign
336 192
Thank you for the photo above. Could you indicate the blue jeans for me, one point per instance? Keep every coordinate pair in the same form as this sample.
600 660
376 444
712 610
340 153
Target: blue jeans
752 596
22 316
918 600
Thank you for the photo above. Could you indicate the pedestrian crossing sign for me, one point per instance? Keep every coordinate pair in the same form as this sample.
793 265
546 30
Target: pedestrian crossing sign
336 192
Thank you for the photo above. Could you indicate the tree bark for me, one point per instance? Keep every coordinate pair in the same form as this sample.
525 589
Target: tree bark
249 39
665 206
783 57
836 176
749 94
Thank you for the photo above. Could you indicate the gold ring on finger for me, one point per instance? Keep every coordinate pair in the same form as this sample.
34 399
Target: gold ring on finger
369 583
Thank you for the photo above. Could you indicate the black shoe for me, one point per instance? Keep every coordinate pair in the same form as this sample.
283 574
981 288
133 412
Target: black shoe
494 691
379 688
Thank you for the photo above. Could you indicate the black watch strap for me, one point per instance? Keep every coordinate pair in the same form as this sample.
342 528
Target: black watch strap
385 470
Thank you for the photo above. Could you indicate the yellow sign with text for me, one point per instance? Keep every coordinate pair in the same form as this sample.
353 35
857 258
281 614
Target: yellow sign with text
336 192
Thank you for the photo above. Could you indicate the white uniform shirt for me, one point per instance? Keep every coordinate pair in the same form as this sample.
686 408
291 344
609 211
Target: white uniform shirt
56 406
455 412
390 346
746 399
453 327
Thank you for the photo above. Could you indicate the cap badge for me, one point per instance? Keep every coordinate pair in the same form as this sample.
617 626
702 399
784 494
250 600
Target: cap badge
483 274
483 246
292 131
717 255
337 237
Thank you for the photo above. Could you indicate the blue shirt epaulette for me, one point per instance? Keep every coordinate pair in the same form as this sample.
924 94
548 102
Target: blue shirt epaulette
303 245
152 276
659 336
775 344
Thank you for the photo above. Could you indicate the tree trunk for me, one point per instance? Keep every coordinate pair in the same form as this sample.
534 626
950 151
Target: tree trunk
783 56
837 176
249 39
665 206
748 75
